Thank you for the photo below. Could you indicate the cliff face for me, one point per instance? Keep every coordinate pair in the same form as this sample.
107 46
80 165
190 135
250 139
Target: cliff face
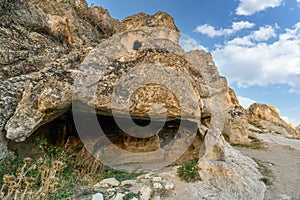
267 119
60 54
236 125
42 41
35 34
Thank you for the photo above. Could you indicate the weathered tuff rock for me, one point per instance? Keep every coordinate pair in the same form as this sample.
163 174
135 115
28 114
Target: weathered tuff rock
45 38
35 33
267 119
236 125
160 19
134 73
298 128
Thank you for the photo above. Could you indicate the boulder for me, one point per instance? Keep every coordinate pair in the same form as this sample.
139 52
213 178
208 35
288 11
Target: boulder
98 196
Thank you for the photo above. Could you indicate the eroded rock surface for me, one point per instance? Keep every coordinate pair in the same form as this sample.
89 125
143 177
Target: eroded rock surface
298 128
136 70
160 19
236 126
44 41
267 119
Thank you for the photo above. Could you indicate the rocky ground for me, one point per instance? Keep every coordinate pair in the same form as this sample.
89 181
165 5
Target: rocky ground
279 162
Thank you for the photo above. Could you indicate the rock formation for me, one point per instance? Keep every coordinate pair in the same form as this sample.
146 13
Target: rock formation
45 38
298 128
266 118
64 54
236 125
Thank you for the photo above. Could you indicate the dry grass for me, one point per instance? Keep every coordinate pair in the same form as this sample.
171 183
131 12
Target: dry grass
53 175
33 181
49 176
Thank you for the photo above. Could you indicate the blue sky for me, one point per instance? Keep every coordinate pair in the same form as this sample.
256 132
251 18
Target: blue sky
255 43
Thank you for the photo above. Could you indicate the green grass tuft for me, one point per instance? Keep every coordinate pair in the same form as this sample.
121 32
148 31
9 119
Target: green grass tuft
189 171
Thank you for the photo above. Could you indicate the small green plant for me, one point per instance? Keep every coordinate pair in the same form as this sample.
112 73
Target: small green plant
189 171
62 194
266 181
131 195
120 175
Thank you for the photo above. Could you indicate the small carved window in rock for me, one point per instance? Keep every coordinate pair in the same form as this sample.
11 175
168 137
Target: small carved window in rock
136 45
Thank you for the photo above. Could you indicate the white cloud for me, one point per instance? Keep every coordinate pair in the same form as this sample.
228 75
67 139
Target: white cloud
250 61
249 7
245 101
264 33
189 44
236 26
244 41
289 120
211 31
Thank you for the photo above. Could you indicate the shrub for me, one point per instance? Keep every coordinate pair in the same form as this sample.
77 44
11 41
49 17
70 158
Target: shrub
266 181
189 171
49 176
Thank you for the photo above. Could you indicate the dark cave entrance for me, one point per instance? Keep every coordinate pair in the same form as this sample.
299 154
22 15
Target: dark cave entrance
62 133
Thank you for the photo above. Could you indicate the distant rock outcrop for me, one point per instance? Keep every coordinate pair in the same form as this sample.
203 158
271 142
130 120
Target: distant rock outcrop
134 69
266 118
298 128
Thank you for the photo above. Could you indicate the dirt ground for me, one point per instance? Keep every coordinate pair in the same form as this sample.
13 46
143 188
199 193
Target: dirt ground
279 163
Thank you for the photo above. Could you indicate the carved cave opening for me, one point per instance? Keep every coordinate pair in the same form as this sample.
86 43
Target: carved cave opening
62 132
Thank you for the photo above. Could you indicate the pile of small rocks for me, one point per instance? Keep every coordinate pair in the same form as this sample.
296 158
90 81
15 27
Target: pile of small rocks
144 187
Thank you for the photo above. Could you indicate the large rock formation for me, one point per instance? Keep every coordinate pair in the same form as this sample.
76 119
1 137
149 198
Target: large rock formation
236 125
138 73
160 19
51 38
266 118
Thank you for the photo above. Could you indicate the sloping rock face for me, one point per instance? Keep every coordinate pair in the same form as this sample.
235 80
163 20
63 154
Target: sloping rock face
298 128
44 41
236 125
35 33
267 119
140 73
